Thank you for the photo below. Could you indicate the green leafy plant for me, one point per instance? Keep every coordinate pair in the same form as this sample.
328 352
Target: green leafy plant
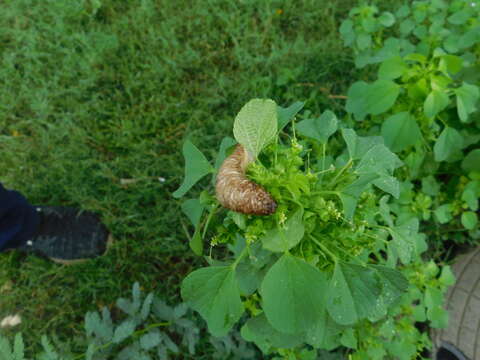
331 262
149 329
424 104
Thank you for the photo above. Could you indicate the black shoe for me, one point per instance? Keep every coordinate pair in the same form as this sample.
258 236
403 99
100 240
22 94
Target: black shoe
66 235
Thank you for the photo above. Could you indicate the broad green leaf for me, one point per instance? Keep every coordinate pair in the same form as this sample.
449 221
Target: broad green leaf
387 19
393 282
404 239
384 210
469 220
356 100
283 238
378 160
400 131
259 330
287 114
450 64
447 277
293 294
406 26
471 162
256 125
196 243
435 102
459 18
467 96
430 186
320 128
389 184
471 194
196 167
226 143
248 278
193 208
349 194
392 68
444 213
347 32
381 96
349 339
358 146
447 143
364 40
352 294
214 293
435 312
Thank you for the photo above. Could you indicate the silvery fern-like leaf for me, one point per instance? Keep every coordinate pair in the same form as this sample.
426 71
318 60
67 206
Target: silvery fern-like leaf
256 125
5 349
123 331
147 305
18 347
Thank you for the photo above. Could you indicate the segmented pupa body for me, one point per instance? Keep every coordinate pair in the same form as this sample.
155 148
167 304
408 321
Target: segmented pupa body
236 192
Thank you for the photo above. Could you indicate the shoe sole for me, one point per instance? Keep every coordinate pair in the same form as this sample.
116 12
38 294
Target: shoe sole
80 261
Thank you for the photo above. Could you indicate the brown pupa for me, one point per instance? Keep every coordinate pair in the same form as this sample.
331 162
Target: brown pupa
236 192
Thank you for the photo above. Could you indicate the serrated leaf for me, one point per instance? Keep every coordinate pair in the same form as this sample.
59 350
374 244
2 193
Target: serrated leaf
282 239
256 125
286 114
320 128
196 167
90 351
392 68
400 131
48 348
302 289
123 331
447 143
214 293
467 96
435 102
353 293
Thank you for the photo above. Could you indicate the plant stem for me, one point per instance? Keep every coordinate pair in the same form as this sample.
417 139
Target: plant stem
324 248
135 334
342 170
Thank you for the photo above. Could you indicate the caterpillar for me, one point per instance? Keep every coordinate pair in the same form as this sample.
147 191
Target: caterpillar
236 192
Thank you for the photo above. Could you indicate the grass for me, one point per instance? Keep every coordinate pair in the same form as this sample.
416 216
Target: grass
98 91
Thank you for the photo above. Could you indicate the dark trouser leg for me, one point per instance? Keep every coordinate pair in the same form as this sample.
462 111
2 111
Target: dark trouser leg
18 219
